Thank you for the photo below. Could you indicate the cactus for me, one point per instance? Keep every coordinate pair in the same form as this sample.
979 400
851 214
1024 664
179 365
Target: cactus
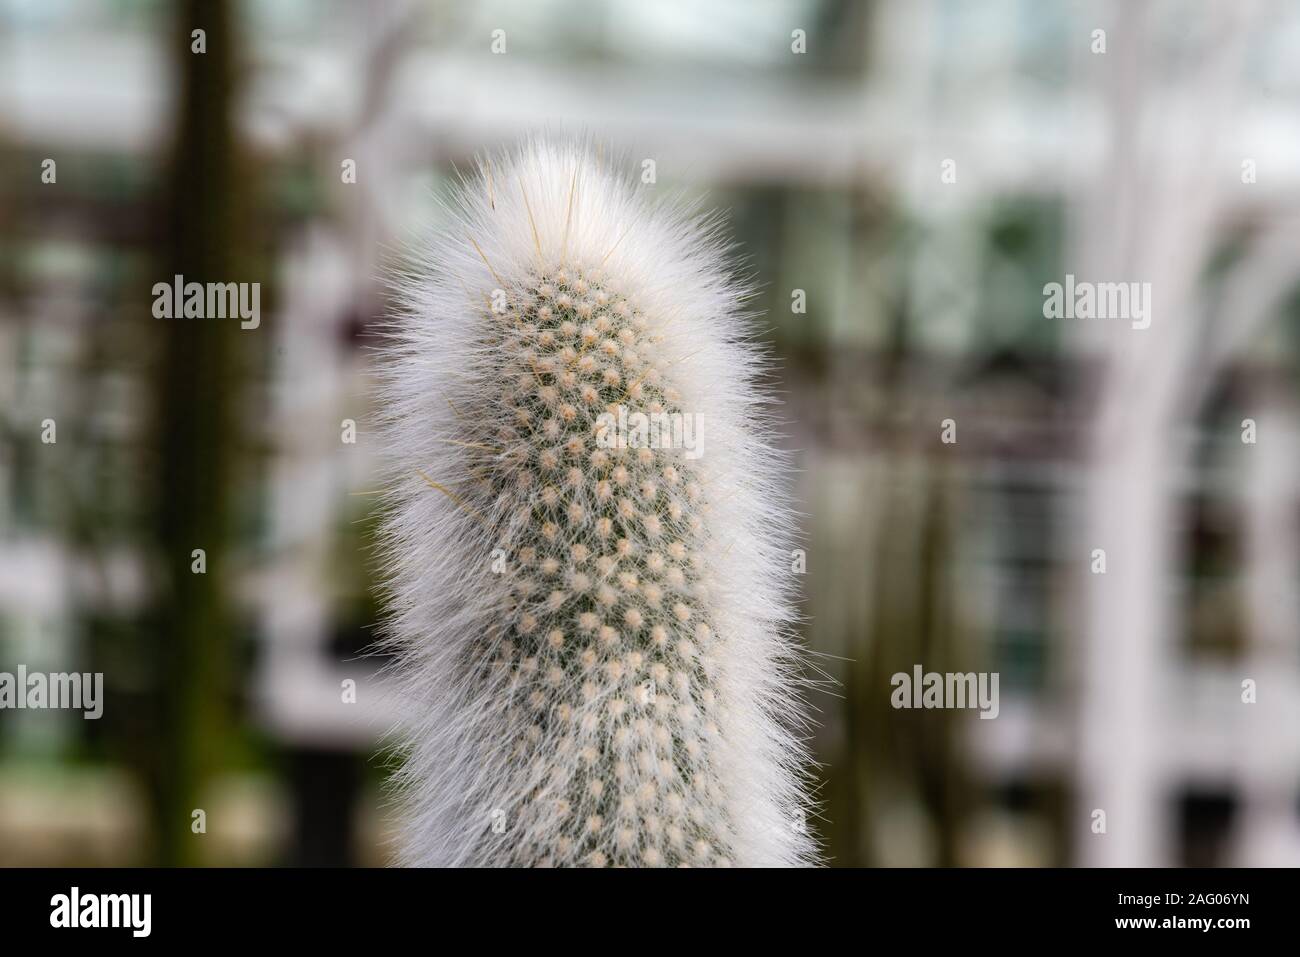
589 627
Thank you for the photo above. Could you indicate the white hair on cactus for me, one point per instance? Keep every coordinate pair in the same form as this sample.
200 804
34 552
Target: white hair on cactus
592 642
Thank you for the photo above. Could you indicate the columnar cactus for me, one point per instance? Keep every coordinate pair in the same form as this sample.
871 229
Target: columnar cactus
589 624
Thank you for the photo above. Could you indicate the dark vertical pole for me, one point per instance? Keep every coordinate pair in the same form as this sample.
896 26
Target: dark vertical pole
194 386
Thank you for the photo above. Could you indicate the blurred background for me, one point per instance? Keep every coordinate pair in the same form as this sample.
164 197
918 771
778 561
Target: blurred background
919 170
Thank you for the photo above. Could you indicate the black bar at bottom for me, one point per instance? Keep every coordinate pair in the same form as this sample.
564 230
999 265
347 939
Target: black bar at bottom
214 906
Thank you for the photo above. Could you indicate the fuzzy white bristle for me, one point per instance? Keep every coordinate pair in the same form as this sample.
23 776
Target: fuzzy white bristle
591 640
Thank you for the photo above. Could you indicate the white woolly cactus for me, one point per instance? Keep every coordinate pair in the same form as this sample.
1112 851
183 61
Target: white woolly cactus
590 633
